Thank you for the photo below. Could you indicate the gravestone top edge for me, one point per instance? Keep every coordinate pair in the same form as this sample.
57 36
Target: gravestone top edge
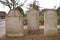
50 10
14 10
32 10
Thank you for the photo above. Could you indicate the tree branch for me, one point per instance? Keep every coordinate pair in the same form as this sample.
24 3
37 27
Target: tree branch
5 3
8 4
23 3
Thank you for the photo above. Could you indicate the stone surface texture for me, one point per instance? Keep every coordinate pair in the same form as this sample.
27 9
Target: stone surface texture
50 22
14 23
33 19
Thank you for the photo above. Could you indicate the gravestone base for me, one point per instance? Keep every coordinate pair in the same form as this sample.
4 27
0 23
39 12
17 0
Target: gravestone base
33 31
50 33
13 35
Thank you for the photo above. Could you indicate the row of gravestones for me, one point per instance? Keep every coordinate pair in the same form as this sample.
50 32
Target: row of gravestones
14 22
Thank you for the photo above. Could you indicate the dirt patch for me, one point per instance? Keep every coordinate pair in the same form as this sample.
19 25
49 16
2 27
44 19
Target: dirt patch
33 36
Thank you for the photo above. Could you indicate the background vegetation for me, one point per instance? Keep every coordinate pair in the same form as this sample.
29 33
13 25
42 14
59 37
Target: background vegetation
41 17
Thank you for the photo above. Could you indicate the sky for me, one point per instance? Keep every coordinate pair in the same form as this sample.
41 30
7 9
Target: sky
50 4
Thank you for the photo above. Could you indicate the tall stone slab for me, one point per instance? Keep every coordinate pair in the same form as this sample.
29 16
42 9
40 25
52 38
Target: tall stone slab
33 20
50 22
14 23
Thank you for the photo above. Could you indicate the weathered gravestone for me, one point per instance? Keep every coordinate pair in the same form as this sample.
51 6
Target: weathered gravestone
33 20
50 22
14 23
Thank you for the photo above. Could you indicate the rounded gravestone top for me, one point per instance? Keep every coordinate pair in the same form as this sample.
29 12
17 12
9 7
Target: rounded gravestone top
32 10
14 13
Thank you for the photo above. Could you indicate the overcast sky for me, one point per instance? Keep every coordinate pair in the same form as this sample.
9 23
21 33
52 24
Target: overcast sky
43 3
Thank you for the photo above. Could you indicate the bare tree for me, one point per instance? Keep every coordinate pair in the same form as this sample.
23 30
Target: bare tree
13 3
6 3
34 5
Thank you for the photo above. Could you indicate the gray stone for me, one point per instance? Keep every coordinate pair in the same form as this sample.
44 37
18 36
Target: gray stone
14 23
50 22
33 19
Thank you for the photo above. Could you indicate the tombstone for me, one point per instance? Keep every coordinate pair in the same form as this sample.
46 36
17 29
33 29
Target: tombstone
50 22
33 20
14 23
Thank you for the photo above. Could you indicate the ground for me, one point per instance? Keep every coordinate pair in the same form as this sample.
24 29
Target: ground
34 35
